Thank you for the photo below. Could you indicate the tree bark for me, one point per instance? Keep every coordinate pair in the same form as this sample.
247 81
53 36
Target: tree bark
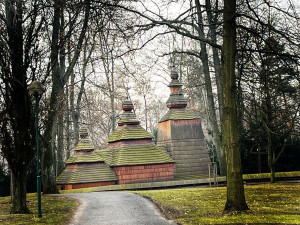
67 128
18 126
59 79
19 188
235 188
210 98
60 145
271 157
49 183
216 56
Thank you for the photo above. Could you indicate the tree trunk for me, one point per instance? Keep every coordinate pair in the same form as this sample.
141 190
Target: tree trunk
48 162
210 98
19 191
59 79
49 183
216 57
112 97
60 132
76 110
67 129
74 117
270 151
60 145
146 112
11 188
108 64
18 148
113 113
235 188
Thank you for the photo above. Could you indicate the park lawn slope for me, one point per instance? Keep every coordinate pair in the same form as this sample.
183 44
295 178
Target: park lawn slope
55 210
269 203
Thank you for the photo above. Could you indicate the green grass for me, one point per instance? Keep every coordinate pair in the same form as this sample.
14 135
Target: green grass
269 203
55 210
267 175
136 186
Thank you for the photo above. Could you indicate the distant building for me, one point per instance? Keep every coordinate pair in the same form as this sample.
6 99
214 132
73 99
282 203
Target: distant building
180 132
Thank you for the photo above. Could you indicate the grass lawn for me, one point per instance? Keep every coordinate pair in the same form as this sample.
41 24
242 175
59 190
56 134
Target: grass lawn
269 203
55 211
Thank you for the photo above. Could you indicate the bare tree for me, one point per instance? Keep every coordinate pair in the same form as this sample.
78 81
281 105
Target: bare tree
19 34
235 188
59 79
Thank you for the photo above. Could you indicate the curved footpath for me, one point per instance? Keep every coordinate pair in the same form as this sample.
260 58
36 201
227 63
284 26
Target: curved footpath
115 208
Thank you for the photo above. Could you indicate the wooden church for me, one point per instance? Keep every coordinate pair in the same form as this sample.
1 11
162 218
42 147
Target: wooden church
131 155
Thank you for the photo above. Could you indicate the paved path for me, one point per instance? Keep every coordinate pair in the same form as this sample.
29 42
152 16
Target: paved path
115 208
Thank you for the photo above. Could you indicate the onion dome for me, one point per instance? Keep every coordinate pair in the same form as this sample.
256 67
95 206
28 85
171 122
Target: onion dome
176 99
128 117
177 102
84 143
83 132
127 105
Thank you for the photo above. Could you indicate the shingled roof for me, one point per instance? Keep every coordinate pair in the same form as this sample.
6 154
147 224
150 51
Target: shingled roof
87 175
84 158
83 144
126 133
132 154
178 114
94 168
135 155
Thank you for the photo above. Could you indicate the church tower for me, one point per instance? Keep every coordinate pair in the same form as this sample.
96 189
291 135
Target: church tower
180 132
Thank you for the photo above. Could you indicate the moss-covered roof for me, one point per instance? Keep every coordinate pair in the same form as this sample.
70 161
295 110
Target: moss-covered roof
87 175
128 118
82 158
135 155
83 144
106 154
126 133
176 98
178 115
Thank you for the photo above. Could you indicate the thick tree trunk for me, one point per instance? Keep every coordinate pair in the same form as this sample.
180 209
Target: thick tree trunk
48 160
235 188
18 149
210 98
19 191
